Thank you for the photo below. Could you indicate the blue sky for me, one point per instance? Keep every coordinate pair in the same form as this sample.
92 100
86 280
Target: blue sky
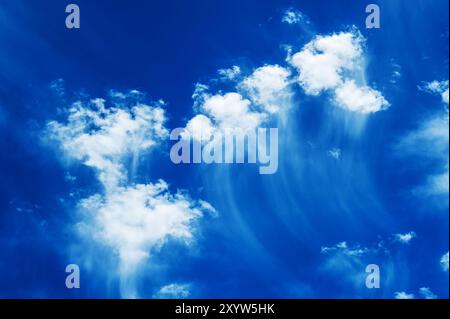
362 178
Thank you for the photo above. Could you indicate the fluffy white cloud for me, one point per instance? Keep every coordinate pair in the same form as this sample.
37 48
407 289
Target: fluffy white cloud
137 219
403 295
232 110
200 127
444 262
173 291
132 219
102 137
335 63
258 98
322 62
361 99
427 293
268 87
405 238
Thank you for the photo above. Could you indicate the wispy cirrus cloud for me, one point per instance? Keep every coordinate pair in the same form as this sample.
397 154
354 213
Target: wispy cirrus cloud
431 141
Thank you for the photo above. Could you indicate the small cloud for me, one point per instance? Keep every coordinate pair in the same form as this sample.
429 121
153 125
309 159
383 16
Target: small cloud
69 178
58 86
230 73
173 291
436 87
427 293
405 238
343 248
294 16
403 295
362 99
335 153
444 262
396 72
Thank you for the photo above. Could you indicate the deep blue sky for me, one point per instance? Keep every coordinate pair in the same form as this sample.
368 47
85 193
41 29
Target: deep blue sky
266 240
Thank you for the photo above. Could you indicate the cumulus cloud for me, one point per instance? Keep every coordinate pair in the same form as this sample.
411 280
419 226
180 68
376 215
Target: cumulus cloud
257 98
232 110
444 262
334 64
132 219
173 291
137 219
405 238
359 98
267 87
200 127
102 137
403 295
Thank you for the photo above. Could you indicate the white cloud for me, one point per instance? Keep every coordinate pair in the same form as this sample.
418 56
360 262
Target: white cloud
232 110
322 62
403 295
230 73
101 137
200 127
343 248
268 87
335 63
258 98
133 220
396 72
431 140
361 99
444 262
436 87
335 153
293 16
427 293
405 238
173 291
58 86
137 219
